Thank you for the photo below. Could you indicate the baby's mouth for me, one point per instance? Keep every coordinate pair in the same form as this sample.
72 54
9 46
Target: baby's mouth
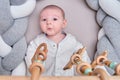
49 28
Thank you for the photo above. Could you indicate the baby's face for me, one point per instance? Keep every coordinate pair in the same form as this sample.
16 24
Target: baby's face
52 21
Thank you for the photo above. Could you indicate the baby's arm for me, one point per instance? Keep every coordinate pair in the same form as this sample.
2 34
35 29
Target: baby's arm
85 56
30 52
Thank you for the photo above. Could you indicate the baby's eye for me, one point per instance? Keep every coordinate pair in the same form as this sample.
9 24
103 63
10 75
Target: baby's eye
43 19
55 19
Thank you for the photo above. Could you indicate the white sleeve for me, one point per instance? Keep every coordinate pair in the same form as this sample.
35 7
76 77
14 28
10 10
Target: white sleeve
30 53
85 56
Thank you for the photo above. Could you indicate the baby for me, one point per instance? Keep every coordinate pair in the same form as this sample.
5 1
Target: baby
61 45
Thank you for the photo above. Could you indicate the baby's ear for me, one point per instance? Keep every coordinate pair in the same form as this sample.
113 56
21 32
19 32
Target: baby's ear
64 23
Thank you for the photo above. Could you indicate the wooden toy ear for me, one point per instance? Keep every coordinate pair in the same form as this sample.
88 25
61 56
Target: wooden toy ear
23 10
76 58
40 54
103 57
100 59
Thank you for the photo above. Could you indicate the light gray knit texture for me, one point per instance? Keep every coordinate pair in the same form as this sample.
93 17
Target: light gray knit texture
17 2
6 19
12 32
111 40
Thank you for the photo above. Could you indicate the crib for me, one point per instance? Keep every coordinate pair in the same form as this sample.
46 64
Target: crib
82 18
57 78
36 68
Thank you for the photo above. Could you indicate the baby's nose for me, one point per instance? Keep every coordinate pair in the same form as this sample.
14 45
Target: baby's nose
48 22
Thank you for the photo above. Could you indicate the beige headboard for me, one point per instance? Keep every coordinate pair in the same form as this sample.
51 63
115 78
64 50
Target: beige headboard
80 18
